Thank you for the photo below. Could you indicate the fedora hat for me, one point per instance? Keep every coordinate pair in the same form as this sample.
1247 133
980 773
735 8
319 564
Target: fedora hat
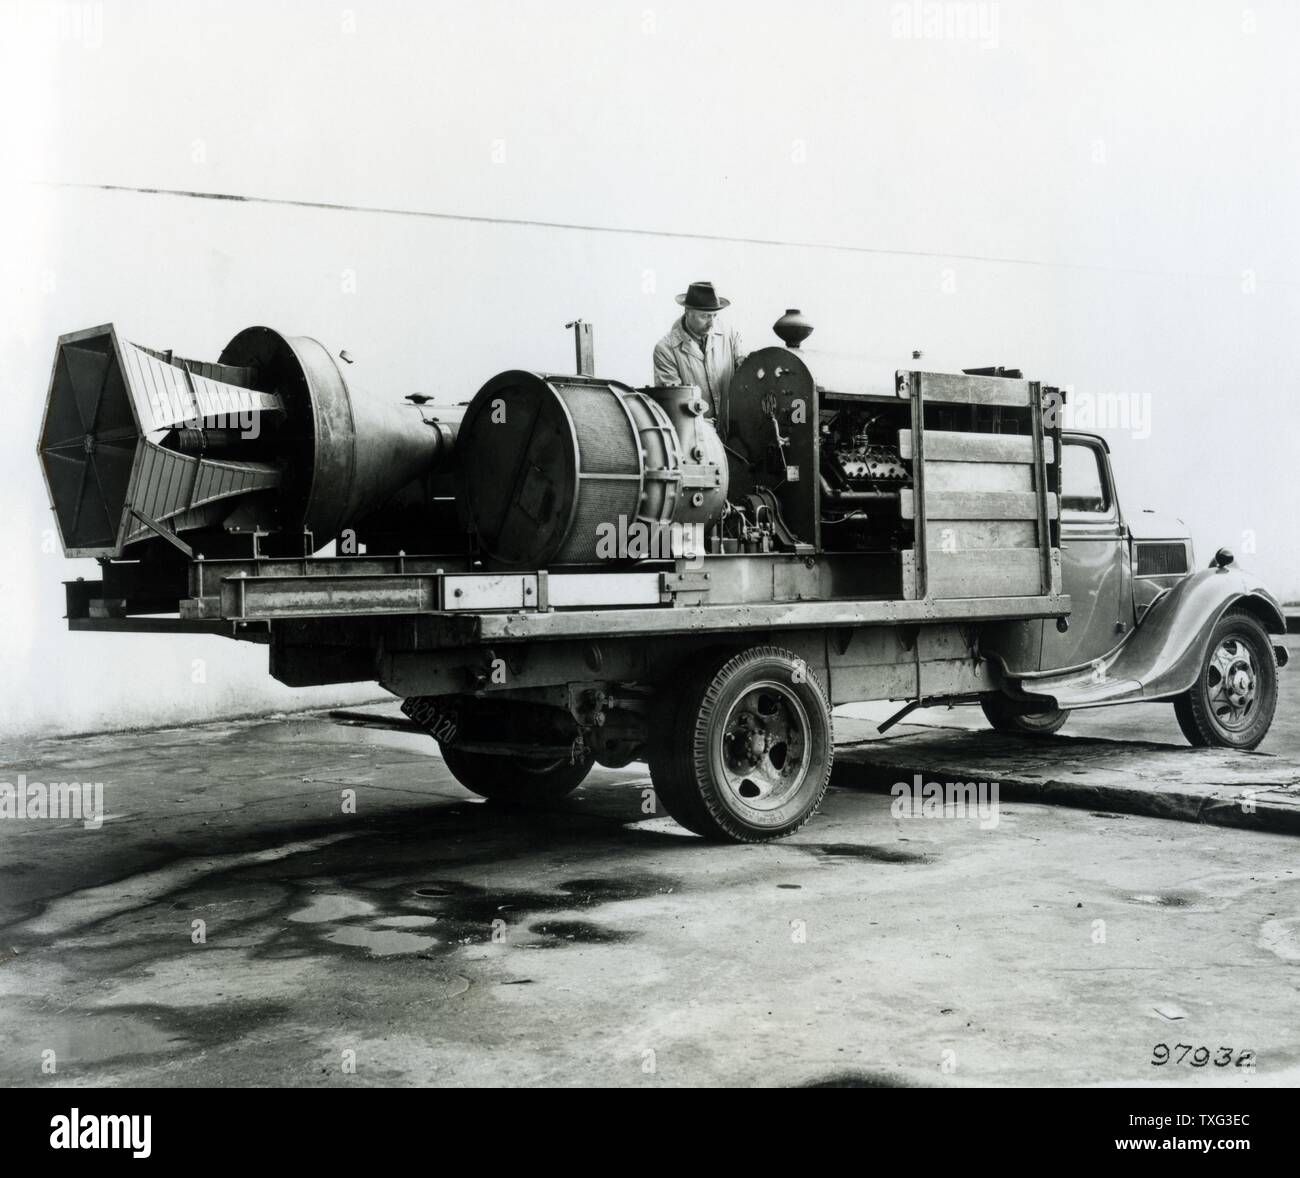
700 296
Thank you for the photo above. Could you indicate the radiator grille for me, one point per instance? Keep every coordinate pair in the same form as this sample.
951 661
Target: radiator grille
1161 560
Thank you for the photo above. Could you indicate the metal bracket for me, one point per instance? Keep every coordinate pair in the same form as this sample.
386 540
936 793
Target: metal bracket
923 702
688 582
907 709
584 347
170 536
907 635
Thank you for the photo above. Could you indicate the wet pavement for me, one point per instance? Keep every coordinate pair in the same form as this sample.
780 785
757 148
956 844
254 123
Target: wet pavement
298 902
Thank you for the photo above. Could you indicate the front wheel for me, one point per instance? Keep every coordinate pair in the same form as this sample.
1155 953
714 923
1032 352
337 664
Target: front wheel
1003 718
518 780
1231 704
746 755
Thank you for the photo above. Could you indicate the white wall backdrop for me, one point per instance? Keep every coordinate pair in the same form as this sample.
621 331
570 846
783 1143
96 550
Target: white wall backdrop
1103 194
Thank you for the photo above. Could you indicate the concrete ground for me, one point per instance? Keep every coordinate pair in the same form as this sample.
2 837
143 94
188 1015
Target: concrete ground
232 923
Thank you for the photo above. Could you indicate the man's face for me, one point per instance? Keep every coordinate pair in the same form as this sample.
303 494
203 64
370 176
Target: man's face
699 322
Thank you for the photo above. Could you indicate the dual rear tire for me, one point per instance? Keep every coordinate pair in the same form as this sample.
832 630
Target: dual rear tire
744 752
519 781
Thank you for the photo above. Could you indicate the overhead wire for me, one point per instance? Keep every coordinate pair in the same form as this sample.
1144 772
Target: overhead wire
722 238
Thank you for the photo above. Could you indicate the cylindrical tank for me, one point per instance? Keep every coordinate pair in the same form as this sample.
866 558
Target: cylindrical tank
549 464
347 452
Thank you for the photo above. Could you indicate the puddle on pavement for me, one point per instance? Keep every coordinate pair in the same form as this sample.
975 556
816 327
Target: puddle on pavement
466 912
95 1038
462 913
625 887
178 880
1160 899
380 942
584 932
474 903
862 851
311 895
332 907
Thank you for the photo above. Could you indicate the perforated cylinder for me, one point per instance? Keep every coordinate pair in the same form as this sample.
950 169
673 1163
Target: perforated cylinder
549 464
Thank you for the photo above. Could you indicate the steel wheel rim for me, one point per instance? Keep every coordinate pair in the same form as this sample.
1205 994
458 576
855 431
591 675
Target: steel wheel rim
765 747
1232 684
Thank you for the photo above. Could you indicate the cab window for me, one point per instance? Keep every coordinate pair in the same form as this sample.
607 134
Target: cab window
1083 481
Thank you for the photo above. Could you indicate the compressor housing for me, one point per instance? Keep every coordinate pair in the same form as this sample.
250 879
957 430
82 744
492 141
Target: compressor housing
548 462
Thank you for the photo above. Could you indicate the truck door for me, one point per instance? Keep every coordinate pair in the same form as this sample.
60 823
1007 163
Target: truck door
1093 557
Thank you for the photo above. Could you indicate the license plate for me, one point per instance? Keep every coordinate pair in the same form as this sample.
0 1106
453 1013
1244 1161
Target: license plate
439 718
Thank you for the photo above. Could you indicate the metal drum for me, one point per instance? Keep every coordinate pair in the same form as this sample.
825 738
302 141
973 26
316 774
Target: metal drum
550 463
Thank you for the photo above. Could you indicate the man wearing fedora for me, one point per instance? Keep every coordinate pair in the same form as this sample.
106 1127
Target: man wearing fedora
697 351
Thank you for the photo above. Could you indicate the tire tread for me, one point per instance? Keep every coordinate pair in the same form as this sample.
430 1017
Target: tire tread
683 761
1191 708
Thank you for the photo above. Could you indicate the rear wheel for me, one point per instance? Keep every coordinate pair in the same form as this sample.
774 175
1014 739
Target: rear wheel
669 767
1003 717
745 754
1231 704
519 780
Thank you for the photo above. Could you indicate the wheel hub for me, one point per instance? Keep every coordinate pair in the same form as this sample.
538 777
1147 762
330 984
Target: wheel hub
1232 681
751 740
765 746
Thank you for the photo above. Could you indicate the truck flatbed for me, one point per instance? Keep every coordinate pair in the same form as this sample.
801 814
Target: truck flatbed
245 599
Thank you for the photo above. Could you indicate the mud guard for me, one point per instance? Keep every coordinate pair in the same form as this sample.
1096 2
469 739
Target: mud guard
1161 656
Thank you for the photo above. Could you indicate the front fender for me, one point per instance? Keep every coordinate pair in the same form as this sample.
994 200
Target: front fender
1163 654
1168 647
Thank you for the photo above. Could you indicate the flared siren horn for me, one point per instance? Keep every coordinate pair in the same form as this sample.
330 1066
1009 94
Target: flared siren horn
138 444
117 444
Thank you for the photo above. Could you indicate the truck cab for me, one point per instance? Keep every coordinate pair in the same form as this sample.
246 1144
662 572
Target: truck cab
1096 558
1113 567
1143 624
